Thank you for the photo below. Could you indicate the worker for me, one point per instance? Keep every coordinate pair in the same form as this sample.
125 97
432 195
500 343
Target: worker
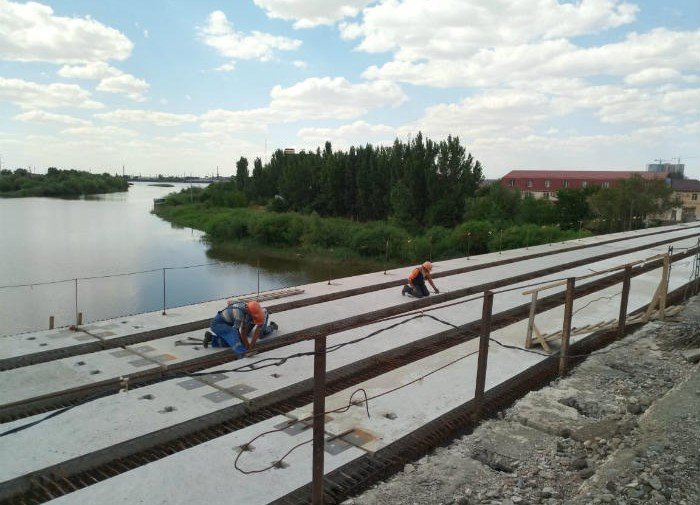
233 325
416 281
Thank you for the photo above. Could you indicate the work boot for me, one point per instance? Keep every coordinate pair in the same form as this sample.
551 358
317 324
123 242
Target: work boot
406 289
207 339
274 326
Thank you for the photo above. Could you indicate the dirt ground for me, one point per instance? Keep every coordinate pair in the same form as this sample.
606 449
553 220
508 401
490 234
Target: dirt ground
623 428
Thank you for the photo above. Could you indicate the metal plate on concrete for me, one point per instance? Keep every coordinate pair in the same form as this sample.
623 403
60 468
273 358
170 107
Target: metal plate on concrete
219 396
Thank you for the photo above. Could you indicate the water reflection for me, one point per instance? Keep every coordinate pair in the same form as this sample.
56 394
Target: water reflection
118 251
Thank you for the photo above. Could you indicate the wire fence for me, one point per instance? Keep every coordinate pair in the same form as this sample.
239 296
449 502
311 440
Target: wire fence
26 307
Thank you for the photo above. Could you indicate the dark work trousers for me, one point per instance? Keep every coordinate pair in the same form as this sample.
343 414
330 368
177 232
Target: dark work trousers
419 288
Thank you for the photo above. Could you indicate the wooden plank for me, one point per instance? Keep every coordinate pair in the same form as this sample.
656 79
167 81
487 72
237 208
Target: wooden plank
531 321
542 341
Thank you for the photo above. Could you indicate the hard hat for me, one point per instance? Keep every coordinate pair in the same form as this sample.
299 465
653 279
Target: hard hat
427 266
256 312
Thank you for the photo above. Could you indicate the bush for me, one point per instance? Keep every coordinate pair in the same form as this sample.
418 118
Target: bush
234 227
327 233
371 239
473 237
277 229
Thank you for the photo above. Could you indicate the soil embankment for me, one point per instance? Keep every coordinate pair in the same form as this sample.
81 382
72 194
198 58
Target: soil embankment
622 428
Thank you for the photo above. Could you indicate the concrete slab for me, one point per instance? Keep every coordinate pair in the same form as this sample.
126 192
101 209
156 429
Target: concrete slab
111 420
206 473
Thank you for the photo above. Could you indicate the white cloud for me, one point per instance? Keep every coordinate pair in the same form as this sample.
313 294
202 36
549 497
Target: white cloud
549 59
112 80
91 70
357 133
32 95
683 101
300 64
146 116
40 116
415 29
219 34
226 67
94 133
310 13
492 113
314 98
238 121
328 97
653 76
31 32
125 84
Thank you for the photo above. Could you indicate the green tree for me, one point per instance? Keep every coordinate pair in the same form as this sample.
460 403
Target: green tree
242 174
494 203
536 211
572 207
632 201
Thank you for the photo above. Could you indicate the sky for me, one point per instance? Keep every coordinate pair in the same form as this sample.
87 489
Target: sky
180 87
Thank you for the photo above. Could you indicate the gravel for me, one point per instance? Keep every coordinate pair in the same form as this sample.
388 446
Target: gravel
622 428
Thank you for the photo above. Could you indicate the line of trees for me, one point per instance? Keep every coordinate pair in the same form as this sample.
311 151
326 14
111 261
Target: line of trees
419 183
58 183
632 203
408 201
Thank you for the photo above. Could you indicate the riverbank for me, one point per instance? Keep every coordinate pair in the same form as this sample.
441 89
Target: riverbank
343 240
623 428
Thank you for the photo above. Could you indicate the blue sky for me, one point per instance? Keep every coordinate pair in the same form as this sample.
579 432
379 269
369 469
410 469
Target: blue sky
183 87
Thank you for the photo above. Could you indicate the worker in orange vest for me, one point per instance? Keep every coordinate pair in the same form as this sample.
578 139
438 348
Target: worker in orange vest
235 323
416 281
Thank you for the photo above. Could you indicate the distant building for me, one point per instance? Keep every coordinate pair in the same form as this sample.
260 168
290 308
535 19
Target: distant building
289 150
688 193
546 183
675 170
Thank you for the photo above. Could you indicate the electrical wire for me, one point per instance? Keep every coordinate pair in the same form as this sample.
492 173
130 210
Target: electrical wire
344 408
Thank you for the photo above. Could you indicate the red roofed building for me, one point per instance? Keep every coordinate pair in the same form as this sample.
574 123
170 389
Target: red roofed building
546 183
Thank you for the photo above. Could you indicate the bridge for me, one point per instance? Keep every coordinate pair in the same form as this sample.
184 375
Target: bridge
359 381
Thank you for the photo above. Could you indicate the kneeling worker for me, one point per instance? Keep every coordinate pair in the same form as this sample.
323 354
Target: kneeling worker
234 324
416 281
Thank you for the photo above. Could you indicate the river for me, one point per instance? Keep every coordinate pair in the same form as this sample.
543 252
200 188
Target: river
119 253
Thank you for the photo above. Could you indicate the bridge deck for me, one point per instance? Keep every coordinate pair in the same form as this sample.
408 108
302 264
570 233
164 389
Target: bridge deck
101 429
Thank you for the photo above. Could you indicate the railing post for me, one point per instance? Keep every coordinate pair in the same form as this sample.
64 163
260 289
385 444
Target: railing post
531 321
164 291
51 322
483 355
665 278
622 320
76 302
319 420
697 268
386 256
566 329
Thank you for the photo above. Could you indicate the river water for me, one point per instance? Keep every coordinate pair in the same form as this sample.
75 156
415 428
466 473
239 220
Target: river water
117 250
